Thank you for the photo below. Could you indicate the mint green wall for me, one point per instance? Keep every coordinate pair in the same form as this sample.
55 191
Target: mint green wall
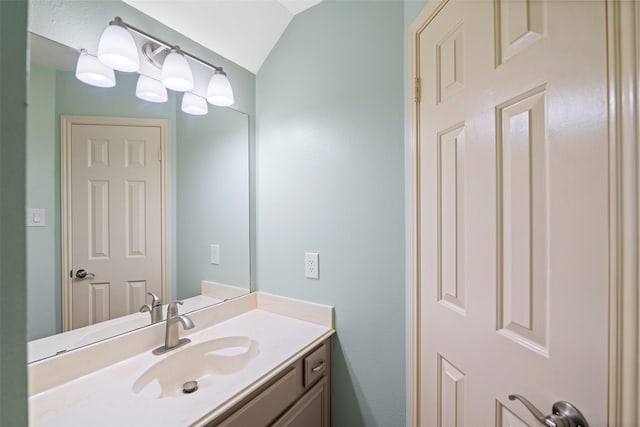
13 370
213 199
330 158
43 261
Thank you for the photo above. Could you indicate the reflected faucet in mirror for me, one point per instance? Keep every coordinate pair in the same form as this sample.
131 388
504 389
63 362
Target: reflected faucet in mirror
154 309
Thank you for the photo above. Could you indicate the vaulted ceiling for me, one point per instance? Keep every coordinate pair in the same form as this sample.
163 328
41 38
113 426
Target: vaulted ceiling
243 31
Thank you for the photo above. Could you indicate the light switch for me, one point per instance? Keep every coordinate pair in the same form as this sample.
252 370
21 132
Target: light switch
215 254
35 217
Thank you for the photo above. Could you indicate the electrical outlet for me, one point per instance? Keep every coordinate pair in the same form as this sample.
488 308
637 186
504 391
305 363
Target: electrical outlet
311 266
215 254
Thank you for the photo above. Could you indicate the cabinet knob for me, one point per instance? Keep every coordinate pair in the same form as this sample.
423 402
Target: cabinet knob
318 368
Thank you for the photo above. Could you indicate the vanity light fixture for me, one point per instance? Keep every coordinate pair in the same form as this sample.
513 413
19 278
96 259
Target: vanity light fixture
151 90
93 72
176 73
117 49
194 104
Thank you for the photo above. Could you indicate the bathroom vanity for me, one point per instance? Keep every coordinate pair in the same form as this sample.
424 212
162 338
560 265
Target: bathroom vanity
258 360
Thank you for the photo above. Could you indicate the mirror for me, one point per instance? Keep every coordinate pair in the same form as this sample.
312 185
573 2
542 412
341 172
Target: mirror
204 200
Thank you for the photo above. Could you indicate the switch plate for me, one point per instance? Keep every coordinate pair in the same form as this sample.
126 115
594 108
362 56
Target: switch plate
215 254
35 217
311 266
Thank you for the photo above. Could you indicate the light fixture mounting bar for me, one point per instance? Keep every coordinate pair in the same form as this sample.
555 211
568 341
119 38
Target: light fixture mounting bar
118 21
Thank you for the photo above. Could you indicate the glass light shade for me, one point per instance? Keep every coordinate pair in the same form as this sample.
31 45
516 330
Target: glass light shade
93 72
151 90
194 104
118 50
219 91
176 73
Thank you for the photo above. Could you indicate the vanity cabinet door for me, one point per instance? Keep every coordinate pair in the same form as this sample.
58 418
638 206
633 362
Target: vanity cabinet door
268 404
311 410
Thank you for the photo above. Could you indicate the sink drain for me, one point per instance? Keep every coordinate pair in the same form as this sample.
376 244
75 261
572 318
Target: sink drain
189 386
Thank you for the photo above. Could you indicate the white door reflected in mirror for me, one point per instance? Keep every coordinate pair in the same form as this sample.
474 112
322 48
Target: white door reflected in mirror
116 219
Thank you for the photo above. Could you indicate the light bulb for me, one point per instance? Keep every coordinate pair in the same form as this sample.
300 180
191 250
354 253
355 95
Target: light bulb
194 104
176 73
151 90
93 72
117 49
219 91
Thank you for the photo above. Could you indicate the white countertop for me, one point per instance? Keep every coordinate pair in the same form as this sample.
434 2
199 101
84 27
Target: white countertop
283 330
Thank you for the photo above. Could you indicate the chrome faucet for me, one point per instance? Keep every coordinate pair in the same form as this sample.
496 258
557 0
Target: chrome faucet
154 309
171 339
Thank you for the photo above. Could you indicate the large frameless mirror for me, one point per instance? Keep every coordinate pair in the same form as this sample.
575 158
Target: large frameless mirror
126 197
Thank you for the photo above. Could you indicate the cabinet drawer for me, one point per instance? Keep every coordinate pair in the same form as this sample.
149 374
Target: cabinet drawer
316 365
265 407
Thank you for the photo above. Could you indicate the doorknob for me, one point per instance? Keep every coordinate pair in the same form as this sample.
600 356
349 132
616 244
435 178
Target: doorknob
563 414
83 274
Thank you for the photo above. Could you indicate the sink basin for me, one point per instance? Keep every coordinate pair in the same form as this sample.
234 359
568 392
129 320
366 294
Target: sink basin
206 363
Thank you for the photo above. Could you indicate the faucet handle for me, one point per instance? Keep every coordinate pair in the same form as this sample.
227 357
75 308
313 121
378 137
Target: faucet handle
156 300
172 309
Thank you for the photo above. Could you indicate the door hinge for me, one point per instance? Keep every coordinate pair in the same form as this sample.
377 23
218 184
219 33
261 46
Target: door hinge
160 154
418 90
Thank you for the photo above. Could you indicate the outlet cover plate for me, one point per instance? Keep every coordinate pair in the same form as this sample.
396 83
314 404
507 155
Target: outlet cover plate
311 265
215 254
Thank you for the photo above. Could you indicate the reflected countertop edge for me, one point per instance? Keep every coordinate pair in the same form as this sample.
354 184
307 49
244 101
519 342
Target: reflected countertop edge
53 345
59 343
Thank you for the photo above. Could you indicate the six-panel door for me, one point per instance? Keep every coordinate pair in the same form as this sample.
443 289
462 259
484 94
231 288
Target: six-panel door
115 220
513 190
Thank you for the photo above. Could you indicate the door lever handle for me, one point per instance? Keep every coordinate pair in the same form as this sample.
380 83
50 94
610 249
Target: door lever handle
83 274
563 414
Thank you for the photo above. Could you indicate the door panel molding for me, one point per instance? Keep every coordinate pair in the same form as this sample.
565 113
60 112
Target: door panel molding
522 165
623 64
66 123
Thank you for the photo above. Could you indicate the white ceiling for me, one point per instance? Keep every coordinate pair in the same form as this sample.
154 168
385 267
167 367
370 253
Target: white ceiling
244 31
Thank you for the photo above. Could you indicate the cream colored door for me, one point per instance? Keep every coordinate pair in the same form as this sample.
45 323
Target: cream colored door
513 205
115 220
